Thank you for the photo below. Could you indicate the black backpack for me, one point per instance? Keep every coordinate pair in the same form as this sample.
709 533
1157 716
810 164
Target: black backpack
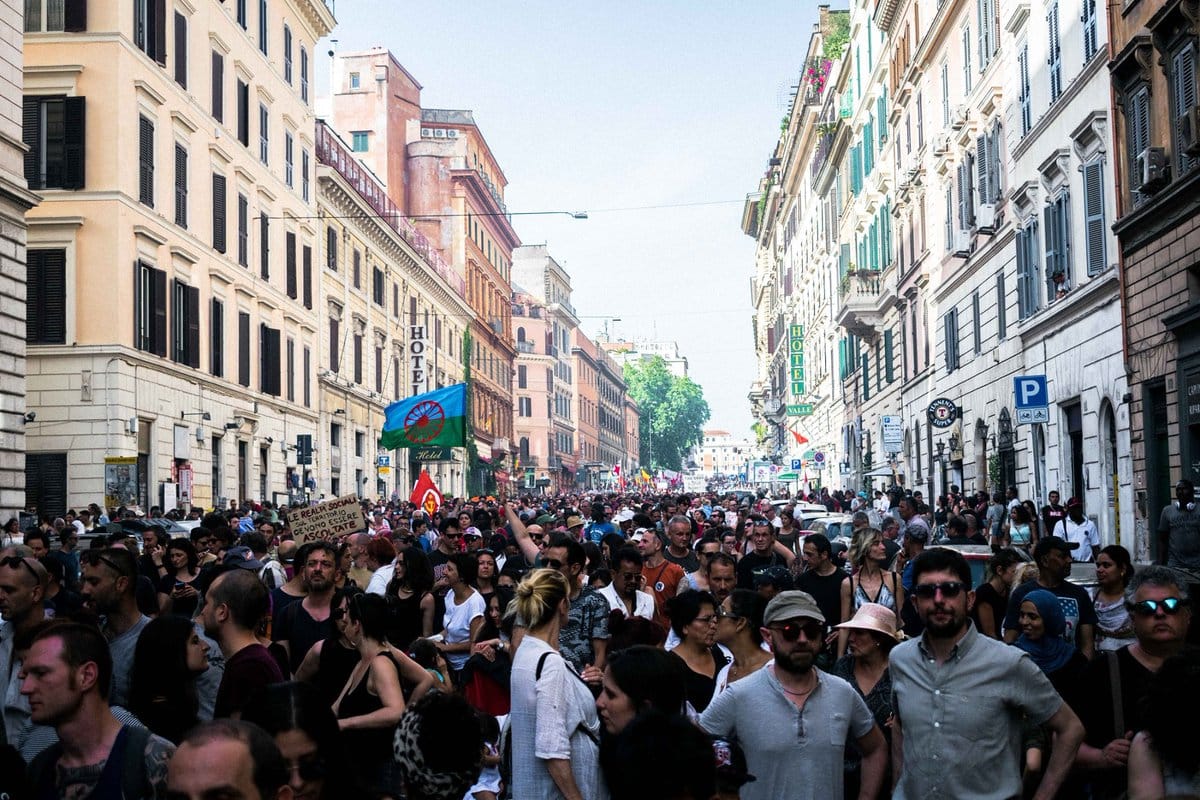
135 784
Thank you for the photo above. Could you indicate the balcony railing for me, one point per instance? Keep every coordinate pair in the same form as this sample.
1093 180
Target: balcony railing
333 152
525 347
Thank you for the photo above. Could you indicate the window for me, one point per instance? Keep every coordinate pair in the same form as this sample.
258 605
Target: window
304 184
1093 217
218 86
264 246
1028 271
354 80
1058 246
55 15
306 276
181 185
360 444
46 482
288 159
377 286
244 348
1137 128
1001 307
335 346
987 162
950 323
185 324
524 407
888 356
53 132
303 74
866 376
968 73
1054 57
264 133
304 376
379 370
1183 100
46 297
1090 39
1023 77
243 220
522 377
331 245
986 10
289 260
150 28
920 120
150 309
287 60
945 94
242 16
396 378
145 161
262 28
360 141
218 212
358 358
181 49
216 338
966 193
243 113
357 270
268 370
976 324
290 369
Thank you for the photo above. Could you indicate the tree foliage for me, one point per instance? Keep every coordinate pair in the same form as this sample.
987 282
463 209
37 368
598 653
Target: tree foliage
673 412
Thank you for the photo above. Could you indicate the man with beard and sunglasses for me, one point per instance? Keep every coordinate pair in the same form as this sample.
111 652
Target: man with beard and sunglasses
960 699
792 719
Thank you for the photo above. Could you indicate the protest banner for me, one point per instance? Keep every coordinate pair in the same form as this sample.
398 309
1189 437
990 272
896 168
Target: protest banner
326 520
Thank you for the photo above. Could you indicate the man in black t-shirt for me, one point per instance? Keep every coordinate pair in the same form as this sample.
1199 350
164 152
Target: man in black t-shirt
764 554
1052 514
822 578
1053 557
303 624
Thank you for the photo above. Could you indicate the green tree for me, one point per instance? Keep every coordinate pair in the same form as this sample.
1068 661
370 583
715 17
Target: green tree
673 412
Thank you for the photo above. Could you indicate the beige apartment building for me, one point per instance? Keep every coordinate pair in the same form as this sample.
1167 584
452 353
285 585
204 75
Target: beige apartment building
171 346
15 201
393 316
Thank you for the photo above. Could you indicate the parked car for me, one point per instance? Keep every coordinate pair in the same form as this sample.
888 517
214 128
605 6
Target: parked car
978 556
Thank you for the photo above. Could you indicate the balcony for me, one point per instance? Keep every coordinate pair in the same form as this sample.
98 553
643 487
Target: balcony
863 302
773 407
525 347
529 460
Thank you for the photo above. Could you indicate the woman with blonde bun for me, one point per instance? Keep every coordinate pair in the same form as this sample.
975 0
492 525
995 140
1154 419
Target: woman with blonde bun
554 726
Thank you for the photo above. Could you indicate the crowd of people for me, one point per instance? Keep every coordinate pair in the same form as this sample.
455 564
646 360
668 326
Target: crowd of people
601 645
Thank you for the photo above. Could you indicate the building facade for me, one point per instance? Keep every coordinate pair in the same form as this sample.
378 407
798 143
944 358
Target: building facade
720 454
1156 126
205 234
533 394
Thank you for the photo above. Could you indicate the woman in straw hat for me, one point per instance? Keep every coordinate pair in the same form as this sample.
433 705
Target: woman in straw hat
871 636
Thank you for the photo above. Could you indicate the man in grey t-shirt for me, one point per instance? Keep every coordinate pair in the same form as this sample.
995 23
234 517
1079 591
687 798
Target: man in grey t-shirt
1179 530
792 719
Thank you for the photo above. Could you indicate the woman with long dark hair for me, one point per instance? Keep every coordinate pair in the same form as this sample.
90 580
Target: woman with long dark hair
177 590
306 732
411 594
167 659
1114 570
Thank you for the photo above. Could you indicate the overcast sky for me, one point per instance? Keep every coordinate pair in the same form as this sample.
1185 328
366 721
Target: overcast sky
621 105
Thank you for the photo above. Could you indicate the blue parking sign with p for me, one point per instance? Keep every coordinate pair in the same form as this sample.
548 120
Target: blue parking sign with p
1032 398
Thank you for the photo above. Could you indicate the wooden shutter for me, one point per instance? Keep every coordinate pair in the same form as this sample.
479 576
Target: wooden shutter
243 113
1051 237
243 231
1093 216
1183 75
46 297
216 344
218 86
1139 123
75 16
191 296
181 49
181 179
983 168
146 161
218 212
331 248
306 276
158 289
264 246
334 344
962 196
289 253
73 143
1022 270
1001 307
138 300
1064 234
888 356
46 482
269 358
159 24
994 186
243 348
31 135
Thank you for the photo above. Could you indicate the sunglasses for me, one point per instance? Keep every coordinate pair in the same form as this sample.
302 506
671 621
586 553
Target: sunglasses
310 769
790 631
92 558
16 562
552 563
1148 608
949 590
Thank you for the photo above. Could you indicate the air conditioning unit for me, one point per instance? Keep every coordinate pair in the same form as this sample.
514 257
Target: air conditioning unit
1152 172
427 131
960 245
959 118
1189 131
941 145
451 133
985 218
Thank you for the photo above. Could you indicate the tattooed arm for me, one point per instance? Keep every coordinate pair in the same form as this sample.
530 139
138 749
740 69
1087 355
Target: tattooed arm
158 755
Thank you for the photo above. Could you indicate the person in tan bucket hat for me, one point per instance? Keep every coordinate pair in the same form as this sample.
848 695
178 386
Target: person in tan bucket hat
873 634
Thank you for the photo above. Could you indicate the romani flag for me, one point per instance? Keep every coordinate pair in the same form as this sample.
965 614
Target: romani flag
425 494
433 418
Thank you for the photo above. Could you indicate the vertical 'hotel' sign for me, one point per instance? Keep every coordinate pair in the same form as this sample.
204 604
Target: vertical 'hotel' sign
417 364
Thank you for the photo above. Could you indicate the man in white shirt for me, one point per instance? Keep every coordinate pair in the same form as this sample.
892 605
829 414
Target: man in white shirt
624 593
1078 529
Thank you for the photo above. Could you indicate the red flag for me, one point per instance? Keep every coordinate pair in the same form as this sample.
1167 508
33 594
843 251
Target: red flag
425 494
800 438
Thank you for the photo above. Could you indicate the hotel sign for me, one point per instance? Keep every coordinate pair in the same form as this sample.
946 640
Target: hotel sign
418 363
